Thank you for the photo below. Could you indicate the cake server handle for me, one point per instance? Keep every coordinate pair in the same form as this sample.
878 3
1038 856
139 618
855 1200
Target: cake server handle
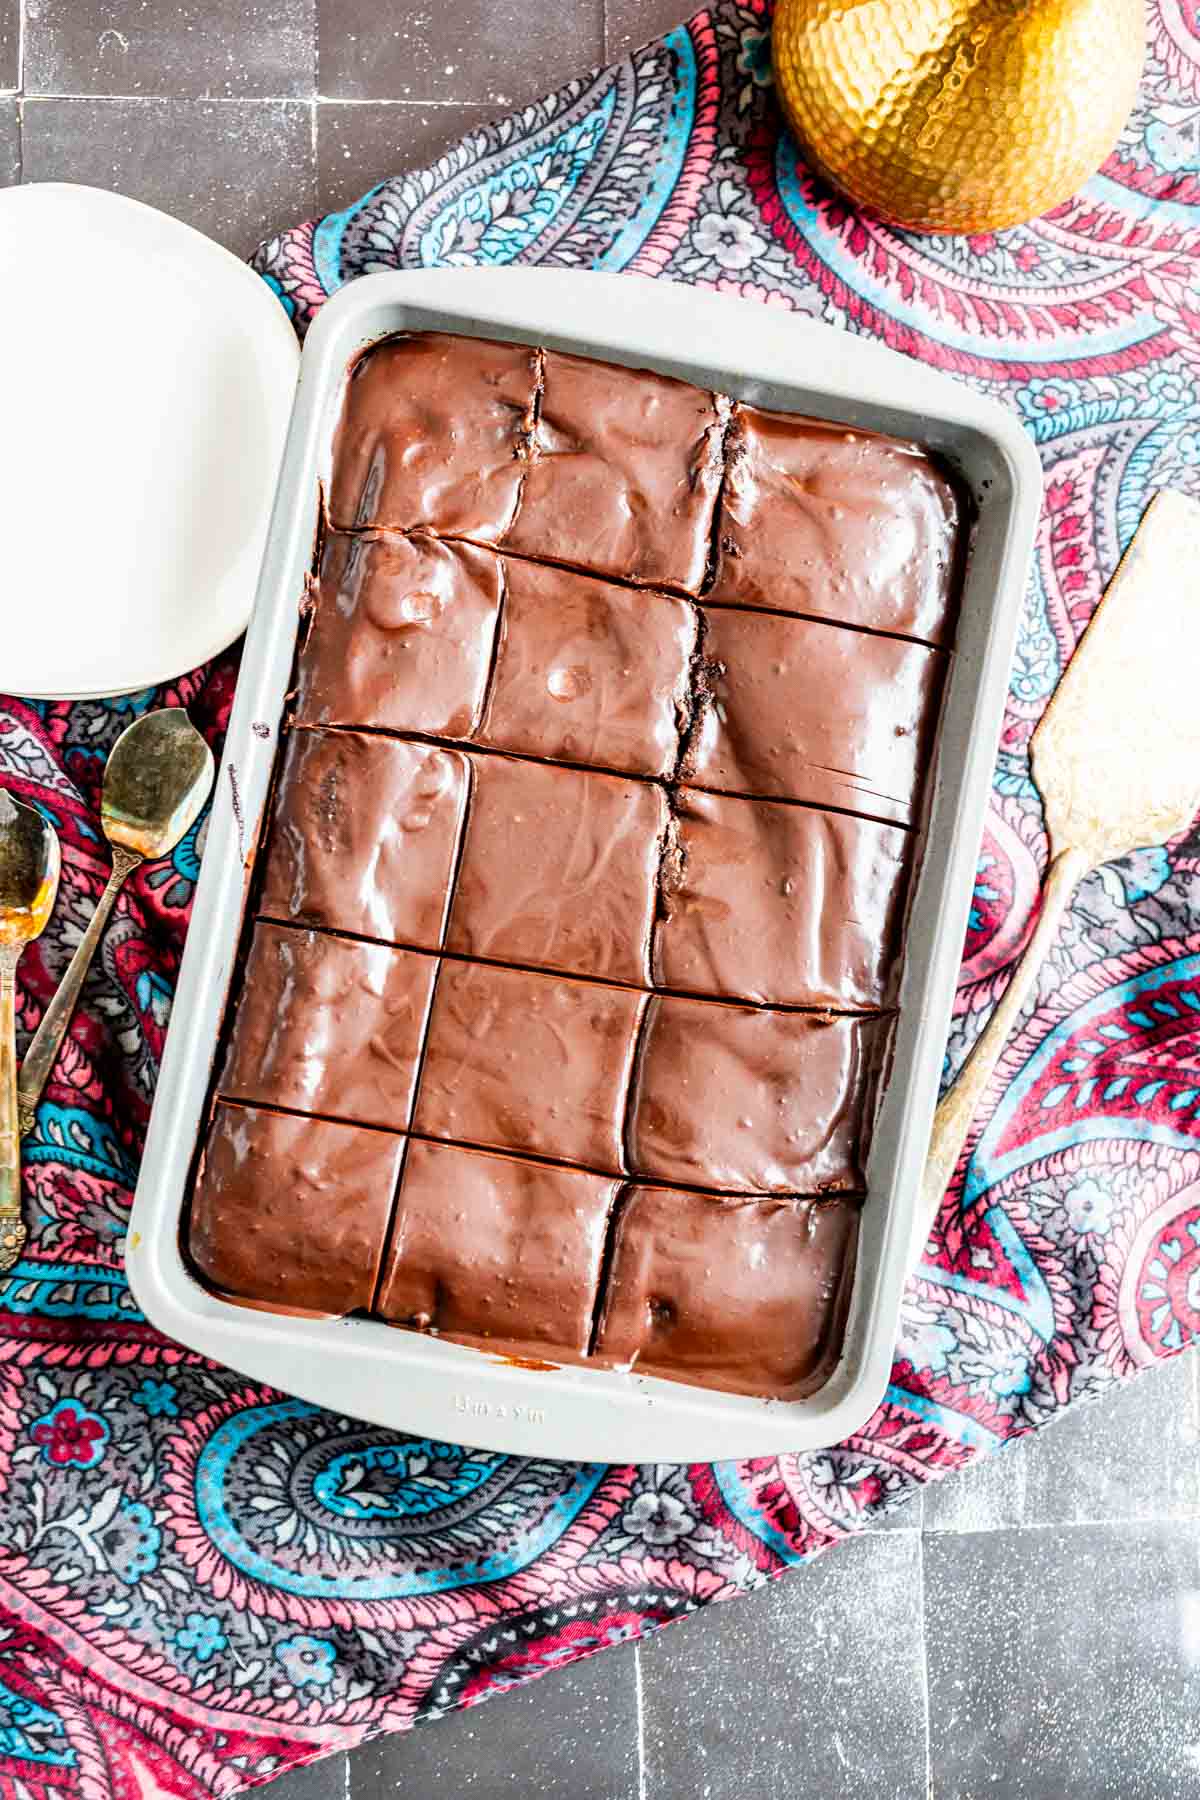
47 1039
952 1120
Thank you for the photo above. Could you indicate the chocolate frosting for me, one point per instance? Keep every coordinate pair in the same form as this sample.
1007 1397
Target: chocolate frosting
329 1025
400 635
293 1212
496 1251
800 710
529 1062
365 835
783 905
751 1101
559 869
841 524
624 473
434 433
588 672
734 827
747 1296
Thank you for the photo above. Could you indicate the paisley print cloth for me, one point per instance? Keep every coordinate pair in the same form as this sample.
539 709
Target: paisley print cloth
202 1582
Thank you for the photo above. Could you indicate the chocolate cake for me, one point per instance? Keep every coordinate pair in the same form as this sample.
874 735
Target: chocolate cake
570 979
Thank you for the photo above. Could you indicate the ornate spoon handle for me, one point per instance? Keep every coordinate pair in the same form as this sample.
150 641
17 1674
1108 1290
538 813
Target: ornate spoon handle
12 1229
47 1039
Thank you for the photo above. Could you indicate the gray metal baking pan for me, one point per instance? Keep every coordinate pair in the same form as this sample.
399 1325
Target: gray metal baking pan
435 1389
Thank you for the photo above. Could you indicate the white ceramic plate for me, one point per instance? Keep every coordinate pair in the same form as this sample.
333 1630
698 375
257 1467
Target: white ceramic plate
147 377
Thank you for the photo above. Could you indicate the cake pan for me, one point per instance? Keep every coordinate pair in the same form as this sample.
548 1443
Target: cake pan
400 1379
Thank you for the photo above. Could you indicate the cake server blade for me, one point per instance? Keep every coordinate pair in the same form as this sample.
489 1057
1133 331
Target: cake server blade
1116 759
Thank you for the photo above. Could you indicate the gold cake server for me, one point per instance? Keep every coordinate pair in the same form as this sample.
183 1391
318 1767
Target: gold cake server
1116 759
29 866
157 778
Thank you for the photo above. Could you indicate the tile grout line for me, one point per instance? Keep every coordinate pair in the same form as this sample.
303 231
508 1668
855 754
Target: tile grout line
641 1720
488 102
924 1664
297 100
20 91
1019 1527
318 204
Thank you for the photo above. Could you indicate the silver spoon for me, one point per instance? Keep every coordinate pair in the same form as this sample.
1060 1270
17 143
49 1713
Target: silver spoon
29 865
158 776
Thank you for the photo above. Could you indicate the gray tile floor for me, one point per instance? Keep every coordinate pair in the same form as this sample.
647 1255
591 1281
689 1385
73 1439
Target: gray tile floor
244 115
1028 1631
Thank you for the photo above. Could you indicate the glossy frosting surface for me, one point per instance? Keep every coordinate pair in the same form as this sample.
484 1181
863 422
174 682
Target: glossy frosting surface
559 869
746 1100
783 905
292 1210
623 473
497 1251
529 1062
365 836
434 434
800 710
400 634
748 1296
577 927
840 524
589 672
329 1025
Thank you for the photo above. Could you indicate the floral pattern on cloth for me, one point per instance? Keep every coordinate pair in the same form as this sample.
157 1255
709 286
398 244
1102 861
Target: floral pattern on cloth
203 1582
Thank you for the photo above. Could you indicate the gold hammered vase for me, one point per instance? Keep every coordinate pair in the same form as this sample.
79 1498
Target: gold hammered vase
958 115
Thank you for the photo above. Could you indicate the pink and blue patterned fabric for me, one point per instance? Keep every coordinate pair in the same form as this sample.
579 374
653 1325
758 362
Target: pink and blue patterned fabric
203 1582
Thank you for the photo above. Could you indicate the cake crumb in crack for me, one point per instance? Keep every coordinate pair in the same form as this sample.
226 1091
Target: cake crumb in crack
324 523
309 599
726 416
672 861
525 450
699 685
710 452
527 445
604 1272
704 672
685 691
306 613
